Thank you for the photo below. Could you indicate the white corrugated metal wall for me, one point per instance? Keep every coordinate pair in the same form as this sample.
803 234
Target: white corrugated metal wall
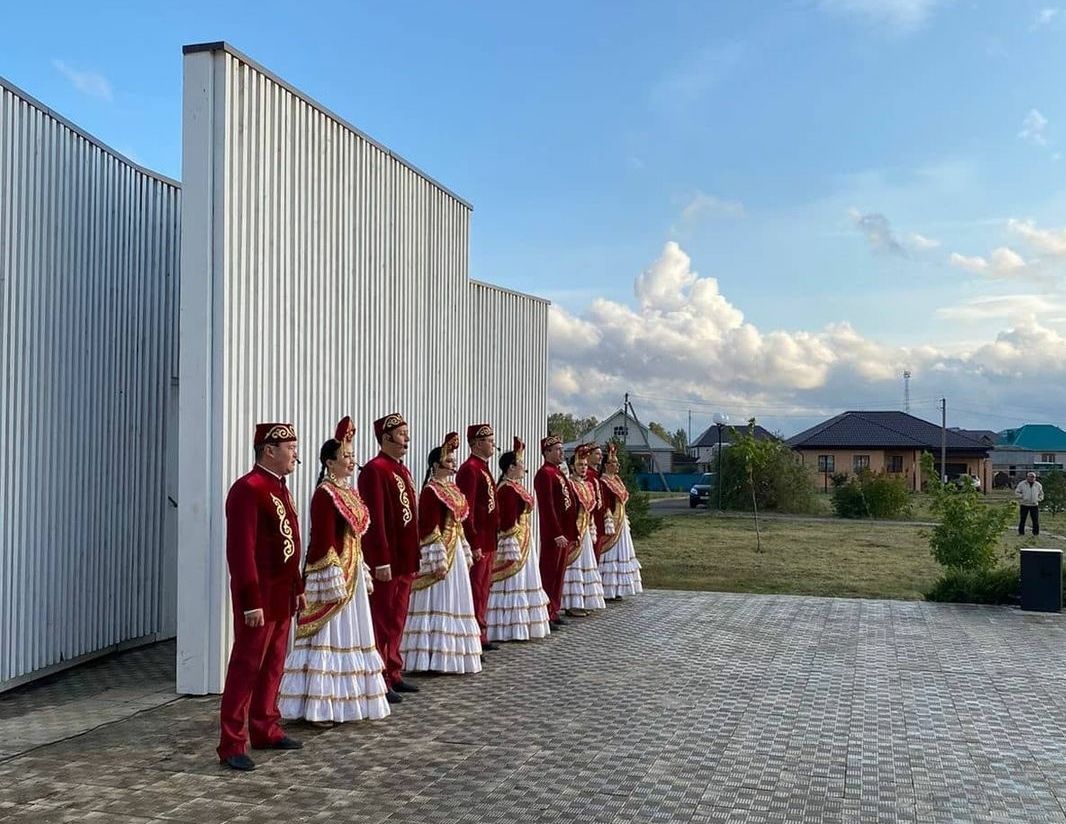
88 285
323 276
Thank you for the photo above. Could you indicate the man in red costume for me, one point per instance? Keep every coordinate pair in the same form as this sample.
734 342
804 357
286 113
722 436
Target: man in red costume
263 553
390 545
474 480
557 515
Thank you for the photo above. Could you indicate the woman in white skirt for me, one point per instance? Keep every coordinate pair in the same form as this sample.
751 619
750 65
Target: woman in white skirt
619 567
582 587
334 672
442 634
518 605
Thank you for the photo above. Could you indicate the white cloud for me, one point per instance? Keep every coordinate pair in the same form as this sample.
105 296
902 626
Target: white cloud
1002 263
1045 16
903 15
90 83
1049 241
1024 307
880 237
702 205
685 340
1033 128
921 242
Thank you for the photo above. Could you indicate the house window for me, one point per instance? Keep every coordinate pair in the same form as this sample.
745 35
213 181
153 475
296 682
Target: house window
1047 457
895 463
621 432
859 463
827 463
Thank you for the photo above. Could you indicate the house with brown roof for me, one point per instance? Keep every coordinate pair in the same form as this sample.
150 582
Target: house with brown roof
890 442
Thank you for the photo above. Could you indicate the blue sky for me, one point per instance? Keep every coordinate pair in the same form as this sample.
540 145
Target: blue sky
826 162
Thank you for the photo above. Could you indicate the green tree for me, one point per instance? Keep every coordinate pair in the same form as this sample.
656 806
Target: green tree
641 522
568 427
660 430
680 441
766 467
968 529
1054 484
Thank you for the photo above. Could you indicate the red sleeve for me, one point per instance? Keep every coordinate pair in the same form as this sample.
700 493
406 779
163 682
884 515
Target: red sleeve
429 512
325 531
242 520
549 520
467 481
509 504
375 543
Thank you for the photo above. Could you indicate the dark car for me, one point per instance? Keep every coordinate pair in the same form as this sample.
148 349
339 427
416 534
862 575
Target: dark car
701 491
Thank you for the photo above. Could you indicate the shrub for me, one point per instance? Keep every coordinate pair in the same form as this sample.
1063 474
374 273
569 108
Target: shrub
769 470
968 530
848 500
872 496
998 585
1054 484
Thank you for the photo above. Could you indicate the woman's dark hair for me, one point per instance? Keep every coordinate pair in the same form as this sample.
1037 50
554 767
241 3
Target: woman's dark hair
434 458
507 460
328 452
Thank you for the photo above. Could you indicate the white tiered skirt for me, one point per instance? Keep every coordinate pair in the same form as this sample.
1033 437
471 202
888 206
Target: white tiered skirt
442 633
518 605
582 586
336 674
619 568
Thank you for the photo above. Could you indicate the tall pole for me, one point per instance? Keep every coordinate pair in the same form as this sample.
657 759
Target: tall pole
718 479
689 428
944 440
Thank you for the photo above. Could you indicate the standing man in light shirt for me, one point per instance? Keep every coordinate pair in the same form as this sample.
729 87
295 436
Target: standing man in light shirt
1029 494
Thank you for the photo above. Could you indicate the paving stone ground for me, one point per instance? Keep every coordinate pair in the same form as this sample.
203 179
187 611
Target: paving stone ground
673 706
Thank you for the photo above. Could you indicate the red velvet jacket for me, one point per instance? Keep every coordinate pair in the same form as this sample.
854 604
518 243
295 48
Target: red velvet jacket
388 491
474 479
433 513
329 525
593 477
263 545
511 505
556 507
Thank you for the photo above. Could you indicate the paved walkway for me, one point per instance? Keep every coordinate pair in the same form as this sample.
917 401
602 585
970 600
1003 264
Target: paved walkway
674 706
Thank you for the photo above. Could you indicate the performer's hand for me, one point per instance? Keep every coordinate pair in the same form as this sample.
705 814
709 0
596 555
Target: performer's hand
561 542
301 602
440 574
383 573
478 554
254 617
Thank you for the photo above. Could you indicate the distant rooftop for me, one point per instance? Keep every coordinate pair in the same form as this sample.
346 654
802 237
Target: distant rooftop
1039 437
860 429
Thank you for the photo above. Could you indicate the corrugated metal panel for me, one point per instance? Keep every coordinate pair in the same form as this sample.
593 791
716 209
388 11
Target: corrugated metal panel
323 276
88 280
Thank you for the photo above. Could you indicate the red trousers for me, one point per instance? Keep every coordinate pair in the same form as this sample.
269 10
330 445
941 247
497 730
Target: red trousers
552 569
388 611
480 584
250 697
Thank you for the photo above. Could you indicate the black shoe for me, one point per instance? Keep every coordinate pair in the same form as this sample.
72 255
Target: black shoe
403 686
558 622
490 646
239 762
284 743
393 698
577 613
615 598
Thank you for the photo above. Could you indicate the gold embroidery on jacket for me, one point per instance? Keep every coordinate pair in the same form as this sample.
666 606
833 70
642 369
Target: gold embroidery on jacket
491 488
566 492
288 545
405 501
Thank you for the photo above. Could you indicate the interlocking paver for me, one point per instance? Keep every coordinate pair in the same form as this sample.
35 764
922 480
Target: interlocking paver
672 706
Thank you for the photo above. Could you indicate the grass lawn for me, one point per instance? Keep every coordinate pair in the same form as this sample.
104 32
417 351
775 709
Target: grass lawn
803 557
